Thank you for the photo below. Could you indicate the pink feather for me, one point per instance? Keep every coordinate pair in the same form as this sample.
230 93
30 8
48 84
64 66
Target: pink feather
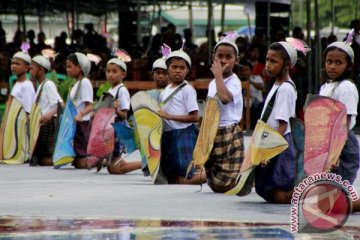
230 36
165 50
123 55
25 46
94 58
350 36
299 45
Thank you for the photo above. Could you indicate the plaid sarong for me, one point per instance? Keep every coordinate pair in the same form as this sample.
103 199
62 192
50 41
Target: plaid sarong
81 138
225 159
177 147
46 141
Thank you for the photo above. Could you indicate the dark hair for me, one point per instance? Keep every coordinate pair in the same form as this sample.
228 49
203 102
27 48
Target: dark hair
244 62
278 47
348 73
73 58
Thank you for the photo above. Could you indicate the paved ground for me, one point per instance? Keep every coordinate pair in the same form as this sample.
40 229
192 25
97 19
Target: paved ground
47 194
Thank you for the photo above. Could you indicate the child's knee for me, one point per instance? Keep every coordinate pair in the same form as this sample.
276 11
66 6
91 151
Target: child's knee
282 197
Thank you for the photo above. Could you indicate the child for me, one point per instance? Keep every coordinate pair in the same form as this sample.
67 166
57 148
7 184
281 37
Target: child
226 157
339 59
179 114
161 78
78 67
23 89
275 181
48 97
115 73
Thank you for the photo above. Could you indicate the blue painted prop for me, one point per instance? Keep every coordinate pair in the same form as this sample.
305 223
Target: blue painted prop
127 137
64 151
298 134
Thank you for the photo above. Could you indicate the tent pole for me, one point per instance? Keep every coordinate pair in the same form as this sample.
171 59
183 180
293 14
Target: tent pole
222 15
308 39
318 63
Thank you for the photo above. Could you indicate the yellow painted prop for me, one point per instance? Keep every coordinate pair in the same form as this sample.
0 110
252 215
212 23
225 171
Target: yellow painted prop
14 142
207 134
149 127
142 99
35 115
265 144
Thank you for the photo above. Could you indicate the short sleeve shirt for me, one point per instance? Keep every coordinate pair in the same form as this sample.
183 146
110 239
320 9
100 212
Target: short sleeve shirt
24 92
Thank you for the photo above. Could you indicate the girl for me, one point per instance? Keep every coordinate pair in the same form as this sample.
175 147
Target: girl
275 181
226 156
339 59
115 73
180 112
48 97
78 67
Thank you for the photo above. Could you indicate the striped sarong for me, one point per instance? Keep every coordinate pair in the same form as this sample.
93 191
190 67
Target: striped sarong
177 147
225 159
81 138
46 141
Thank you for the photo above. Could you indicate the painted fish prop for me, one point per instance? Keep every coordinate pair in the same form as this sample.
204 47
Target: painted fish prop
207 134
142 99
265 144
14 140
64 152
35 116
298 133
325 133
101 140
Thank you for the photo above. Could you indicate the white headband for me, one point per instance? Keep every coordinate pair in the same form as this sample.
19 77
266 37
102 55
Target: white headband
84 63
42 61
159 63
291 51
227 42
345 47
118 62
179 54
24 56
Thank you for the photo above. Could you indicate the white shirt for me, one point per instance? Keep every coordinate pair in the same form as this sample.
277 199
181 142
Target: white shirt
123 96
345 92
231 112
182 103
284 105
85 95
49 96
24 92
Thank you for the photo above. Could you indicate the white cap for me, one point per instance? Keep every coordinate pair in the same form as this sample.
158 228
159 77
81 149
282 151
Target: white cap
84 63
42 61
291 51
227 42
24 56
118 62
179 54
159 63
345 47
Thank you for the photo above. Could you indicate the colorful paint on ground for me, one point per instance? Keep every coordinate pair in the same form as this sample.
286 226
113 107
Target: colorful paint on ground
38 228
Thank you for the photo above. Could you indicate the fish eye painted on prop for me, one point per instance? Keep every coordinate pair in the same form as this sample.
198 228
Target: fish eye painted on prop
264 135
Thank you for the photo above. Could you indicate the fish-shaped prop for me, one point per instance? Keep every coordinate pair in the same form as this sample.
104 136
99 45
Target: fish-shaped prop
207 134
14 142
35 116
127 136
101 140
64 152
142 99
325 133
298 133
265 144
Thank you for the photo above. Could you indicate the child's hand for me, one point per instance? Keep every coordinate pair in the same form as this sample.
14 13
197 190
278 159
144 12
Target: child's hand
164 114
92 114
217 69
78 117
44 119
116 104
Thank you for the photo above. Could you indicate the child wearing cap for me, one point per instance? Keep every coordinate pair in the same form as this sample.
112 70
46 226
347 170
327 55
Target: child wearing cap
23 89
47 96
179 112
275 181
339 59
115 73
160 77
78 67
227 154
